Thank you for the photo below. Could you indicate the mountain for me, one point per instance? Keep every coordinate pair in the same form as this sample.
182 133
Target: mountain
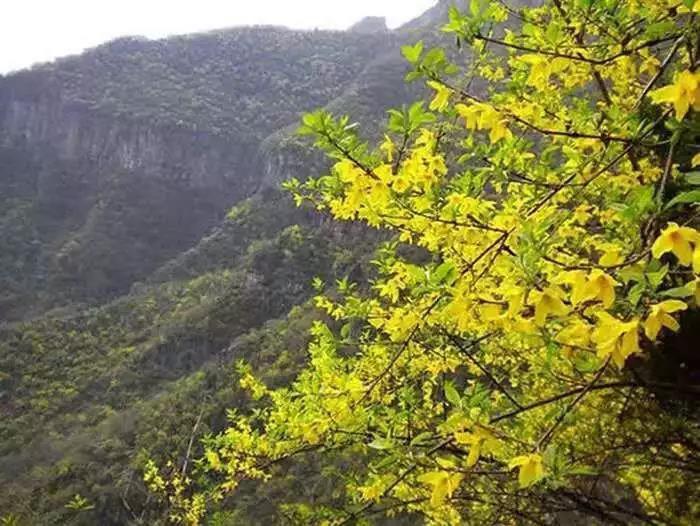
146 248
143 145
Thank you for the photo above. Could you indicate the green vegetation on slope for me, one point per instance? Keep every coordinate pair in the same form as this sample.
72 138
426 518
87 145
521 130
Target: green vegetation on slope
89 381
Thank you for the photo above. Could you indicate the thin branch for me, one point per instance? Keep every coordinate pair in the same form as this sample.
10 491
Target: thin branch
191 442
542 442
597 62
465 351
662 68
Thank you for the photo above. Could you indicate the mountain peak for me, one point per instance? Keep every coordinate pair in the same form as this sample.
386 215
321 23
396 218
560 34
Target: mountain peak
370 24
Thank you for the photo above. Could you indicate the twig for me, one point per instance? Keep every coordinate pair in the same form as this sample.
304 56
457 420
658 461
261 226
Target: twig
542 442
191 442
483 369
662 68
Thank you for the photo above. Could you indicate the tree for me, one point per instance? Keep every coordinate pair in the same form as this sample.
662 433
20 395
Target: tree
536 369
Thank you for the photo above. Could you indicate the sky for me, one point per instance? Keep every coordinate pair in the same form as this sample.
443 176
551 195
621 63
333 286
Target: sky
39 30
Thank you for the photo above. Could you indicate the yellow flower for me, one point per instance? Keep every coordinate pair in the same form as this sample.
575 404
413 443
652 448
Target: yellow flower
442 96
611 256
616 338
577 334
470 114
443 484
660 317
676 239
695 9
548 302
601 286
389 148
484 117
578 282
531 469
480 441
683 93
596 285
401 183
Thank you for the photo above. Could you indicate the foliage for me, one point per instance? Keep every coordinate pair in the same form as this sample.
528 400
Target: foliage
87 398
224 82
538 368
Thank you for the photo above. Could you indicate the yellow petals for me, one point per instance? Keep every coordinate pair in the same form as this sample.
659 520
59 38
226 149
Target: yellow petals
611 257
443 485
577 334
480 441
683 93
601 286
389 148
442 96
577 280
542 68
490 312
595 286
213 459
695 9
470 114
615 338
499 130
531 469
677 240
660 317
481 116
548 302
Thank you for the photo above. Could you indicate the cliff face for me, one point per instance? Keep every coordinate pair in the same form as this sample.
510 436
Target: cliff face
123 157
112 197
369 25
51 128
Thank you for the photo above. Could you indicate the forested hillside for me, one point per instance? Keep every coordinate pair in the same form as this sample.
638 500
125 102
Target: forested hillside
146 248
116 160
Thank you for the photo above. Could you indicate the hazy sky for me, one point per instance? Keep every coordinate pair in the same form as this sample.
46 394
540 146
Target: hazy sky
39 30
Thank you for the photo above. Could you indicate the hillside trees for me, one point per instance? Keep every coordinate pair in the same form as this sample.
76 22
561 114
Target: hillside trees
541 367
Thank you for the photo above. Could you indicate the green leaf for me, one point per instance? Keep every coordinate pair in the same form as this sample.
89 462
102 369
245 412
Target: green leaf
442 272
477 7
381 443
318 284
693 178
422 438
678 292
583 470
656 278
635 293
690 197
633 273
434 58
452 395
412 53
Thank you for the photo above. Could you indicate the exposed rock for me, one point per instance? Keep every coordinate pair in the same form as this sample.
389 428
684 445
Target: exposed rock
370 25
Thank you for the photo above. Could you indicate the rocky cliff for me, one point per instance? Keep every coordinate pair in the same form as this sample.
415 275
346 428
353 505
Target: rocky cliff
129 153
